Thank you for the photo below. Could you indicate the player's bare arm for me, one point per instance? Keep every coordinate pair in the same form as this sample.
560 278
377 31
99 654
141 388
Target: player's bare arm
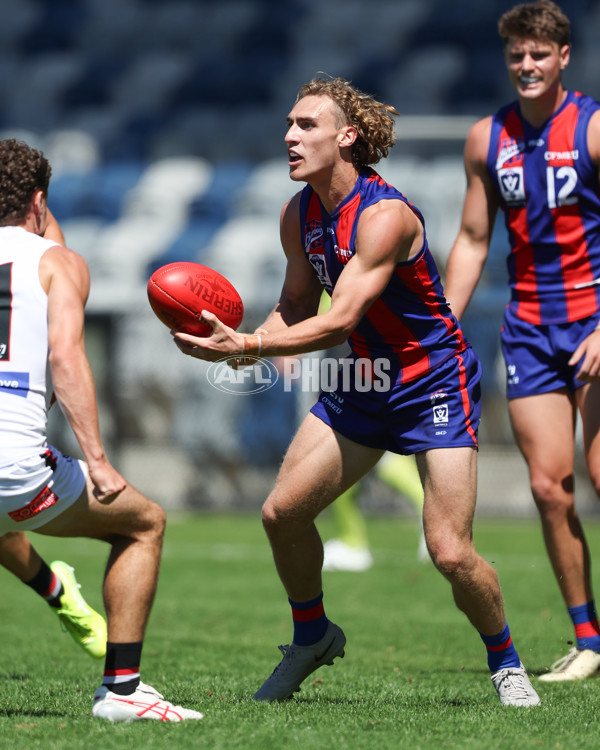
65 278
387 233
470 249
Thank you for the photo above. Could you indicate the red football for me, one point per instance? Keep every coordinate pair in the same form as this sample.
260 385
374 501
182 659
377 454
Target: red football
179 292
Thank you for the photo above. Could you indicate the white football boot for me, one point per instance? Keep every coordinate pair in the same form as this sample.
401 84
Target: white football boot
514 688
576 665
144 703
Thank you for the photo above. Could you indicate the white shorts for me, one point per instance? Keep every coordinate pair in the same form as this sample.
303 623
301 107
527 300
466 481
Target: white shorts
37 490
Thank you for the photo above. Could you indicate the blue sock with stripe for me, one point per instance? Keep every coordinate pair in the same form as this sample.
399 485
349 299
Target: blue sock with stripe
585 622
310 622
501 652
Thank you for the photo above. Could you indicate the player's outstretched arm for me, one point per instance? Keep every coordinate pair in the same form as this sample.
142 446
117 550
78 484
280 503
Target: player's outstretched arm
388 232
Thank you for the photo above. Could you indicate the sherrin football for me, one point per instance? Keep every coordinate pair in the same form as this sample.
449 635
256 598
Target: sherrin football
179 292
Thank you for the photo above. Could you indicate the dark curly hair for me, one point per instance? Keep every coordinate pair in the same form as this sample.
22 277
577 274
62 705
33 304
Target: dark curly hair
372 119
542 20
23 170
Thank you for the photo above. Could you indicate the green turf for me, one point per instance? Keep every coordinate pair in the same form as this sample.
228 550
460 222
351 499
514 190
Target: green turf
414 675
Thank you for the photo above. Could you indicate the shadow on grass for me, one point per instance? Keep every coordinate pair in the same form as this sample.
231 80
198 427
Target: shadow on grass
416 701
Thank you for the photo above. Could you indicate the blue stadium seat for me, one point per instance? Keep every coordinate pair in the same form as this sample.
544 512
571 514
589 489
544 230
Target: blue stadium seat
99 193
189 244
219 199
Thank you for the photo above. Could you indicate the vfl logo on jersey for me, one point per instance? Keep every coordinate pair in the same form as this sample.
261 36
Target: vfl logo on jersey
440 415
314 249
511 375
317 261
16 383
512 185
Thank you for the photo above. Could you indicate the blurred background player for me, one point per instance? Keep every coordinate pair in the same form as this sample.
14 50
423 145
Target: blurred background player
357 237
350 549
538 160
43 290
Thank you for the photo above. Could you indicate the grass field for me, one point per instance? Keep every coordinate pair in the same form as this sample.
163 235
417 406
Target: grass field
414 675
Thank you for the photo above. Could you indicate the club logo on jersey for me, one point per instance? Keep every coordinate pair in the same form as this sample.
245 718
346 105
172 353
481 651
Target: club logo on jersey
511 375
313 235
437 395
16 383
509 151
512 185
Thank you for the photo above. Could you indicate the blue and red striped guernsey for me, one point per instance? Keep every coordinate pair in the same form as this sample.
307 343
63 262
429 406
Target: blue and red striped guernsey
548 188
410 323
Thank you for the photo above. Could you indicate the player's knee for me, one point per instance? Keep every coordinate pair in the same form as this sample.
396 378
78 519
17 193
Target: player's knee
449 556
277 517
552 495
153 520
271 517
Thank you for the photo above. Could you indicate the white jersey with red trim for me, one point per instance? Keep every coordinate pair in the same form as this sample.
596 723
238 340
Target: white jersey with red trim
25 383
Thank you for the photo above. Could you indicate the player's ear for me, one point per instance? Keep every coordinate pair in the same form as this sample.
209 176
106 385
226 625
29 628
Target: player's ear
38 208
348 136
565 56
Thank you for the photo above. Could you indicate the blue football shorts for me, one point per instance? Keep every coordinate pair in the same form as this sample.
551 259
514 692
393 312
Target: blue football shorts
537 356
438 410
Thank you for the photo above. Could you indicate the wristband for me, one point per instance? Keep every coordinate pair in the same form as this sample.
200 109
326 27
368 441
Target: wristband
245 342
